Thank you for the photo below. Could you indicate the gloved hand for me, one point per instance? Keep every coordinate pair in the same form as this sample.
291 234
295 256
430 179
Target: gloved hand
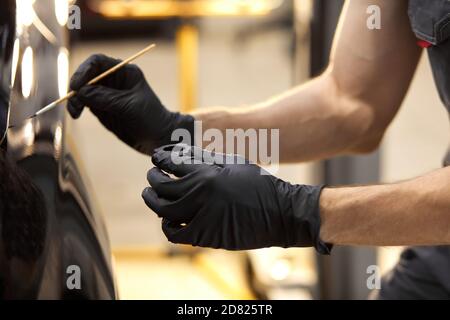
218 203
125 104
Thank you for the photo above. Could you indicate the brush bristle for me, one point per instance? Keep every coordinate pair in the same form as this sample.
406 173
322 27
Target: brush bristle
29 118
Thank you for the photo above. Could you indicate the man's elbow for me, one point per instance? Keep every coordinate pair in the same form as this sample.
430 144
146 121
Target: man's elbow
362 119
365 130
367 145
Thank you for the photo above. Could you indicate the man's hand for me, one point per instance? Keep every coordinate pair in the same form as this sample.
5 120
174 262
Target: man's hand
125 104
223 201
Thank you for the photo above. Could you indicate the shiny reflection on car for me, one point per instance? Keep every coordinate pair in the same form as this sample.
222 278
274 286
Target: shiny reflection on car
57 225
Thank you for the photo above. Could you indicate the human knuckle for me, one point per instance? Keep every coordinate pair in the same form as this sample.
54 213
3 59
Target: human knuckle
96 57
150 173
134 67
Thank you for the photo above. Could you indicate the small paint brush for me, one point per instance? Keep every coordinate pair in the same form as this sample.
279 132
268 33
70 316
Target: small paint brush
93 81
29 118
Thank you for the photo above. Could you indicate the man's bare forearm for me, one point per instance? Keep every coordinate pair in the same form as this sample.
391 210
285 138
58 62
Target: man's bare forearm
312 122
414 212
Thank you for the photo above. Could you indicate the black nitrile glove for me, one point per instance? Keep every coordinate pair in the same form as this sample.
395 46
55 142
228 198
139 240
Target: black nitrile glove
125 104
231 206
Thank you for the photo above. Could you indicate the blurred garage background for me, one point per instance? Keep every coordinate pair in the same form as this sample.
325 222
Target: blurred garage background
234 53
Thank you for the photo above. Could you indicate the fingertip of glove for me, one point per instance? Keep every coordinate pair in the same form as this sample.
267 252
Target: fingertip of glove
156 157
151 173
162 153
145 193
74 112
168 230
75 81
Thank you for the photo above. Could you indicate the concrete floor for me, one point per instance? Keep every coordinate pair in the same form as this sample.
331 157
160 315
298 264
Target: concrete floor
231 74
146 273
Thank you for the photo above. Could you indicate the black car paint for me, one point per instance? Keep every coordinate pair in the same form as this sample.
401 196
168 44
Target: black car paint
71 232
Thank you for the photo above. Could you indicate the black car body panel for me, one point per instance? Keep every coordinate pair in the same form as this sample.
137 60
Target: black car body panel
70 237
